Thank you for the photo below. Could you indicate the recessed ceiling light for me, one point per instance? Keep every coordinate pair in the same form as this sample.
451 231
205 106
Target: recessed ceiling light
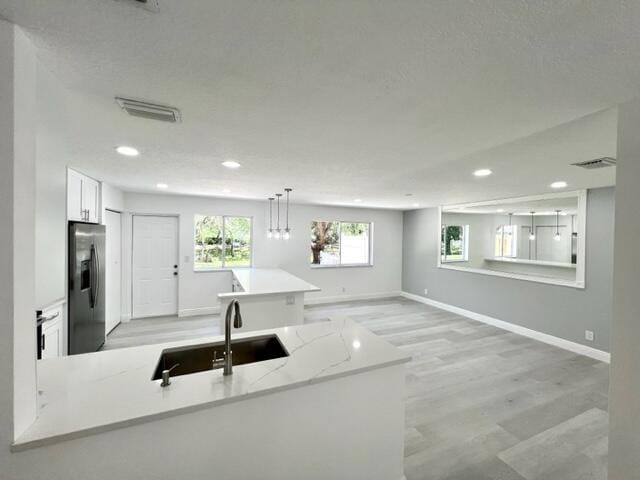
127 151
483 172
558 184
500 210
357 200
162 185
416 204
226 190
230 164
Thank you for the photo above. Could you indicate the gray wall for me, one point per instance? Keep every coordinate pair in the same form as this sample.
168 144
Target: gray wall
624 407
560 311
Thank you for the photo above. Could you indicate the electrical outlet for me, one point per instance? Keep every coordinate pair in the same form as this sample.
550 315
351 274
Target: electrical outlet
291 300
589 335
426 291
342 289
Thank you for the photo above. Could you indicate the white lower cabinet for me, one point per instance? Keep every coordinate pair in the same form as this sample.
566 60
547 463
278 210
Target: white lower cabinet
52 340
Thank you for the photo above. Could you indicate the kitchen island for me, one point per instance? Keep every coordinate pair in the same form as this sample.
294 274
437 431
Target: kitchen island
270 297
331 408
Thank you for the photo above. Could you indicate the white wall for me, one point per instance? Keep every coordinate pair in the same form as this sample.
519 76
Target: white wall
198 290
17 205
112 199
52 154
6 238
24 353
624 395
480 236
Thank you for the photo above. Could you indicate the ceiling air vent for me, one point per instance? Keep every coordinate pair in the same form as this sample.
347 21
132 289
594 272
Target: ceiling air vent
597 163
152 111
151 5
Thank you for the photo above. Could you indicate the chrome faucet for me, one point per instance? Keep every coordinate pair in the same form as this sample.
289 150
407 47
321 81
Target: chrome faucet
232 309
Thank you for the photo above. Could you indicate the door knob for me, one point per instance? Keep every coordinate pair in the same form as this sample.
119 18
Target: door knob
175 266
175 273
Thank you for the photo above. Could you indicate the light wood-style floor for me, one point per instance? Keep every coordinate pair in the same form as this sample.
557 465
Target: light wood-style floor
482 403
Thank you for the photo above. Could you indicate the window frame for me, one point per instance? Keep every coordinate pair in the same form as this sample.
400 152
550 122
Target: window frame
347 265
223 267
465 244
514 241
581 216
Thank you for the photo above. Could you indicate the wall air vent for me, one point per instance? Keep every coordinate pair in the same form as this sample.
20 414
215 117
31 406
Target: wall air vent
151 111
597 163
151 5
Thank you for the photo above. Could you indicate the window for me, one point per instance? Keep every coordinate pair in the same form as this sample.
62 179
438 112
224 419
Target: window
506 244
454 243
221 241
340 243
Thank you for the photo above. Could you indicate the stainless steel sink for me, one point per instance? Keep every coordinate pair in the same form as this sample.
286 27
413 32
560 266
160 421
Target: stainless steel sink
199 358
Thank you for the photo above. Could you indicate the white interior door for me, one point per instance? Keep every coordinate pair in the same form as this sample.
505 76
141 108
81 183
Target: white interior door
113 273
155 266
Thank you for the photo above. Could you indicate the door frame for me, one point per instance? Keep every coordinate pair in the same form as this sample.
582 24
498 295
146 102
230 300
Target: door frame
104 222
136 214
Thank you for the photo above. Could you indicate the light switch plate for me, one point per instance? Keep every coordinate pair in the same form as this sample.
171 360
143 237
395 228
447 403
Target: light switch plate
291 300
426 291
589 335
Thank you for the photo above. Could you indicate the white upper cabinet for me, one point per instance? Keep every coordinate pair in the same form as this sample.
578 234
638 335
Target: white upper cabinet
83 194
90 196
74 196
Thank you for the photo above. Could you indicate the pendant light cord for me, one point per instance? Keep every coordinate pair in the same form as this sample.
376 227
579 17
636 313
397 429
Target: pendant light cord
278 195
532 235
288 190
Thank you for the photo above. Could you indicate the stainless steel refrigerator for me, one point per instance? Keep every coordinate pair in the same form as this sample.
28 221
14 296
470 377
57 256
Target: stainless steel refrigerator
86 287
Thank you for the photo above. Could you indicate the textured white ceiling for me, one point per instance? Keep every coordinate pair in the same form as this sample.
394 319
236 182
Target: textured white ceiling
342 99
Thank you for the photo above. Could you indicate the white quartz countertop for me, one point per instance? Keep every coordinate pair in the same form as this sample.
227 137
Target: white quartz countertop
84 394
524 261
267 281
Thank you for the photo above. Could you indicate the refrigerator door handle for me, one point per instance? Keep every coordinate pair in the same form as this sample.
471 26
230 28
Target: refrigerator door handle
92 279
97 292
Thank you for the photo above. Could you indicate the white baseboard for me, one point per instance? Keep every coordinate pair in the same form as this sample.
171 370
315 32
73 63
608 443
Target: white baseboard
190 312
526 332
349 298
125 318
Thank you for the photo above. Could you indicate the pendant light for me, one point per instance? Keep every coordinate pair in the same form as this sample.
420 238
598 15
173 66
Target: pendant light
276 235
557 235
287 232
532 236
270 231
